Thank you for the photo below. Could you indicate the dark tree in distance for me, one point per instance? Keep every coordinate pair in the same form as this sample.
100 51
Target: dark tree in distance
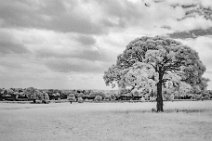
154 61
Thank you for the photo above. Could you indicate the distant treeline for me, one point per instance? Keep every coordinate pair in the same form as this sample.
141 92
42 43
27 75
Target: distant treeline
45 95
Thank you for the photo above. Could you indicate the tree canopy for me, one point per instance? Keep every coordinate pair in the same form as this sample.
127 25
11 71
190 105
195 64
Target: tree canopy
153 62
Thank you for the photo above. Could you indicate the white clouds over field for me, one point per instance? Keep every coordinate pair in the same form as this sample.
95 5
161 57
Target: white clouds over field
70 43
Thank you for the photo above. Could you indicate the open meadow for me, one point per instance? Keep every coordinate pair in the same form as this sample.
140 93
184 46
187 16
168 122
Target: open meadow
181 121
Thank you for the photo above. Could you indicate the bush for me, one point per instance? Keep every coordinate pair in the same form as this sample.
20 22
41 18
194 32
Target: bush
98 98
142 99
45 98
94 94
197 96
113 97
63 94
80 100
152 98
55 96
36 95
71 98
30 93
169 97
107 98
80 95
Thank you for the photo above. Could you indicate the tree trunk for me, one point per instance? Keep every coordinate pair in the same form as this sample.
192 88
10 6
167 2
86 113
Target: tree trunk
159 94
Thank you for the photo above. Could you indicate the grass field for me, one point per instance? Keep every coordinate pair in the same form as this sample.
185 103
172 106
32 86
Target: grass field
181 121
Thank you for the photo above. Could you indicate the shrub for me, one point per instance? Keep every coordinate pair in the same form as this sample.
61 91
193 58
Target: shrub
36 95
93 94
152 98
197 96
142 99
63 94
71 98
30 93
56 96
98 98
172 97
80 100
80 95
113 97
107 98
45 98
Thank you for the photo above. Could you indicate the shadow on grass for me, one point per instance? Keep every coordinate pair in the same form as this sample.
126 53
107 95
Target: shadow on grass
187 110
165 111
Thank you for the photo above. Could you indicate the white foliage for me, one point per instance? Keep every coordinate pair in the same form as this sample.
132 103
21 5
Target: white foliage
145 58
141 75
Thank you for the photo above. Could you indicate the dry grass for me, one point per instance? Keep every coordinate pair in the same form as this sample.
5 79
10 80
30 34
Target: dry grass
181 121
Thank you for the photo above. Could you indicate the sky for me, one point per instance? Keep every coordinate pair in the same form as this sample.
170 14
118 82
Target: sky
68 44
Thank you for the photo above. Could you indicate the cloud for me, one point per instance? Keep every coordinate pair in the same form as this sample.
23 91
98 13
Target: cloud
205 3
76 65
93 17
63 16
86 40
191 34
86 54
85 17
70 43
9 45
196 21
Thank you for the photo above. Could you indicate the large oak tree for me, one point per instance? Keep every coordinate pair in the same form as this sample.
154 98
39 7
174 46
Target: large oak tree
152 62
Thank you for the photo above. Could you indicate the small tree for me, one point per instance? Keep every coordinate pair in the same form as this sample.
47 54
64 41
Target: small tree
30 93
34 94
71 98
98 98
80 100
151 62
45 97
